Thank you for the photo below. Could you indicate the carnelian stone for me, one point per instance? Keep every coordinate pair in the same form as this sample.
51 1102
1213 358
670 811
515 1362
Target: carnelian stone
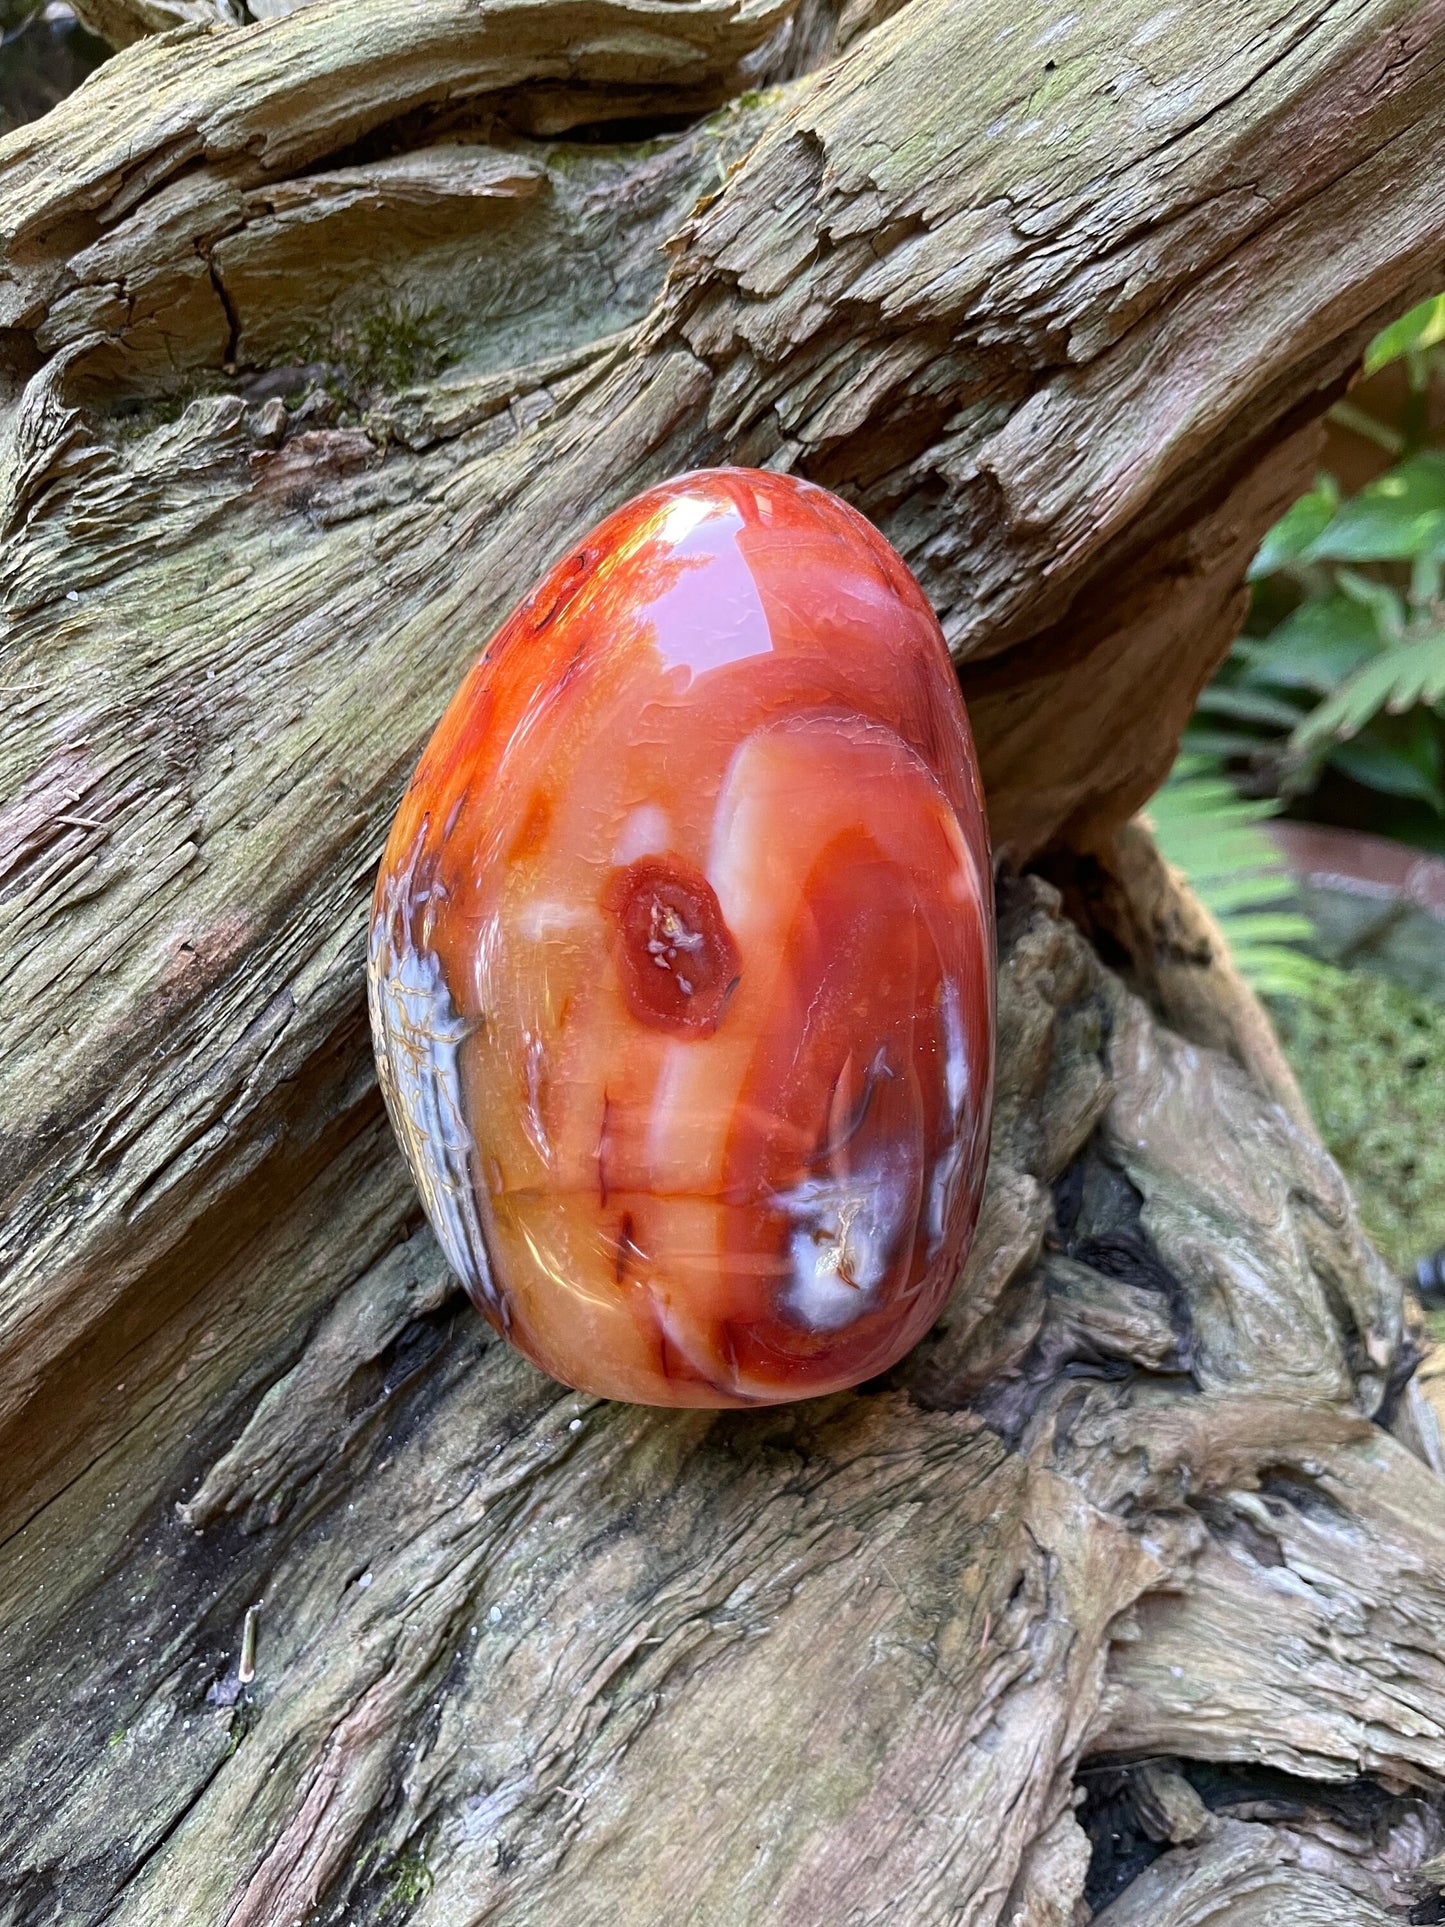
682 956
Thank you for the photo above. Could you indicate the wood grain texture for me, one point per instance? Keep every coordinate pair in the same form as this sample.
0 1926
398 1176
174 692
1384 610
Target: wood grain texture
596 1663
321 335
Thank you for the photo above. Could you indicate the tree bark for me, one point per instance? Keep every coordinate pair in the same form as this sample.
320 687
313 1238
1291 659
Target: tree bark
322 336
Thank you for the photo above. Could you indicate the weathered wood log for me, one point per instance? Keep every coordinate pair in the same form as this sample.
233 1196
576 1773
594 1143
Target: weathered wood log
321 337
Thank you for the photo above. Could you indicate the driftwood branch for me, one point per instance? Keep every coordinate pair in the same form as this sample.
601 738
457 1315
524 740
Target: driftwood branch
321 336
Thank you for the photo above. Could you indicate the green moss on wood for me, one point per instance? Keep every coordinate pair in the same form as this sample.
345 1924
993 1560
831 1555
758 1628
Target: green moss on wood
392 347
409 1880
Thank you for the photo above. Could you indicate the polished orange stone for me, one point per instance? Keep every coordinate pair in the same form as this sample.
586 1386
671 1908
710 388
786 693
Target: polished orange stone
682 956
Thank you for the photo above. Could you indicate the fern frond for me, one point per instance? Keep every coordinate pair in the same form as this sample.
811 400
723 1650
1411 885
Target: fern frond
1411 674
1222 744
1245 890
1275 971
1240 705
1215 836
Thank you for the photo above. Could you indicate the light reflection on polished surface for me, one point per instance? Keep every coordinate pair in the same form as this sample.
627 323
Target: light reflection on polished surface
682 956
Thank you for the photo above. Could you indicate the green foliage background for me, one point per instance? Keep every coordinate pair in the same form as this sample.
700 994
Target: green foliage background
1371 1062
1334 697
1332 705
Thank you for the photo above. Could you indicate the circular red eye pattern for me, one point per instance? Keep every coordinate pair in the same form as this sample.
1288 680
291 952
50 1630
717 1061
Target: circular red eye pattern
674 953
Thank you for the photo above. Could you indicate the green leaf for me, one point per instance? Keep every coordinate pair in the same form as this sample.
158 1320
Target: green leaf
1221 743
1400 515
1274 971
1203 852
1315 647
1385 604
1293 533
1397 754
1423 327
1241 705
1203 801
1410 675
1274 926
1245 890
1425 581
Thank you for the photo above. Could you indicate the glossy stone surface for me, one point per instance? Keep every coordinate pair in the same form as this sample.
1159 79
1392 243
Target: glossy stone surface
682 956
